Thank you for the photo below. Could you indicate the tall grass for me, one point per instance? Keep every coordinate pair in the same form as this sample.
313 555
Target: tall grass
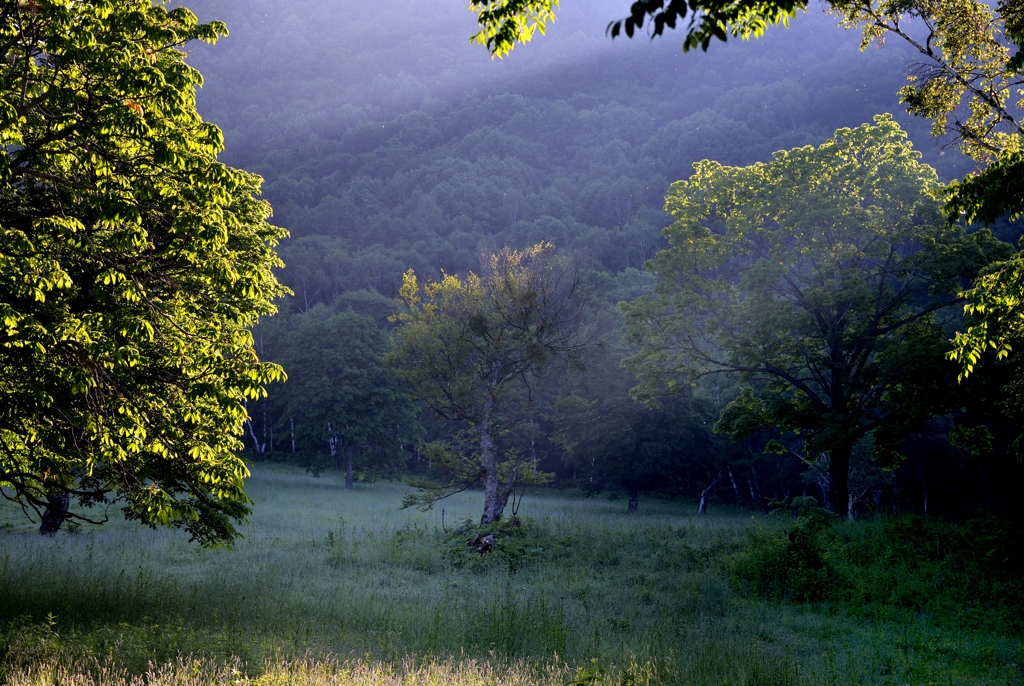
334 586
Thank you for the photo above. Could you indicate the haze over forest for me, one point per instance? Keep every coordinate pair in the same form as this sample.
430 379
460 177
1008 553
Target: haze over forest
388 132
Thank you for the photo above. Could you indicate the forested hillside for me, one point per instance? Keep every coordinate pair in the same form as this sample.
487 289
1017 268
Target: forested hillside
423 152
388 143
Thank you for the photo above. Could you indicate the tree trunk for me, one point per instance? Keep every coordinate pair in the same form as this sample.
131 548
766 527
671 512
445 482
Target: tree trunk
489 464
266 440
57 505
533 445
839 475
257 446
634 500
735 488
702 509
348 466
332 442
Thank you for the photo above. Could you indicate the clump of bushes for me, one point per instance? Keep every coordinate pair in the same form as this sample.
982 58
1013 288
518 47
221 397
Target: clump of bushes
949 572
970 573
797 562
515 543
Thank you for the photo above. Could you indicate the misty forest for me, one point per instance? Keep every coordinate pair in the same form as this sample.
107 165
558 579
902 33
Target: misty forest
408 343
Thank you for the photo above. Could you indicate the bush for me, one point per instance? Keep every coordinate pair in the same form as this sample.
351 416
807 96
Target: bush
518 541
795 563
954 574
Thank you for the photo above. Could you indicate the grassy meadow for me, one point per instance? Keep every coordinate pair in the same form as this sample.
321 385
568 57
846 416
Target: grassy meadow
340 587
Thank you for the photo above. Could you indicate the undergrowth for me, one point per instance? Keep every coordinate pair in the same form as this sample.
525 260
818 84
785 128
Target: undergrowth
954 574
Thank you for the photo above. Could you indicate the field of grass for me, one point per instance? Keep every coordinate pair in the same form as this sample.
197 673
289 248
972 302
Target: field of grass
340 587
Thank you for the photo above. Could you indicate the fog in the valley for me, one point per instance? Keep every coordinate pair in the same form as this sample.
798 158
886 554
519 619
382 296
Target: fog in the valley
384 129
311 70
388 142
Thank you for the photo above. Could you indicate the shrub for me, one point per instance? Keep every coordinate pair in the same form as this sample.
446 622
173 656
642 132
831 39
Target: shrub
518 541
794 563
954 573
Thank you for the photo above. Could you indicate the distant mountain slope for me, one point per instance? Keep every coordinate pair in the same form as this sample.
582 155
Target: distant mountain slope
388 142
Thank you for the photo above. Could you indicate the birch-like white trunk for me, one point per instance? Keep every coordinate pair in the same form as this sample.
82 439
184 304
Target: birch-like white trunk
493 506
348 466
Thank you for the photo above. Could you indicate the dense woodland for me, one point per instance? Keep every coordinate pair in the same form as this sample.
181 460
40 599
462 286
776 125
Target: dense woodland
420 155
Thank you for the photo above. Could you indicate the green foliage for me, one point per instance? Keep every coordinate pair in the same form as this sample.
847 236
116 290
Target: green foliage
507 22
796 563
717 19
812 278
993 193
992 322
955 573
517 542
627 446
889 569
340 397
976 440
132 263
474 349
970 90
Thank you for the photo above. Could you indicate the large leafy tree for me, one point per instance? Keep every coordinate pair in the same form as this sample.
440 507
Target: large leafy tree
474 349
341 402
969 84
132 263
815 279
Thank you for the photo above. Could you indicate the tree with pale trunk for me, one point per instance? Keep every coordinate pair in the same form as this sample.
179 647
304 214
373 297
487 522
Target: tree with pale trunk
474 349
